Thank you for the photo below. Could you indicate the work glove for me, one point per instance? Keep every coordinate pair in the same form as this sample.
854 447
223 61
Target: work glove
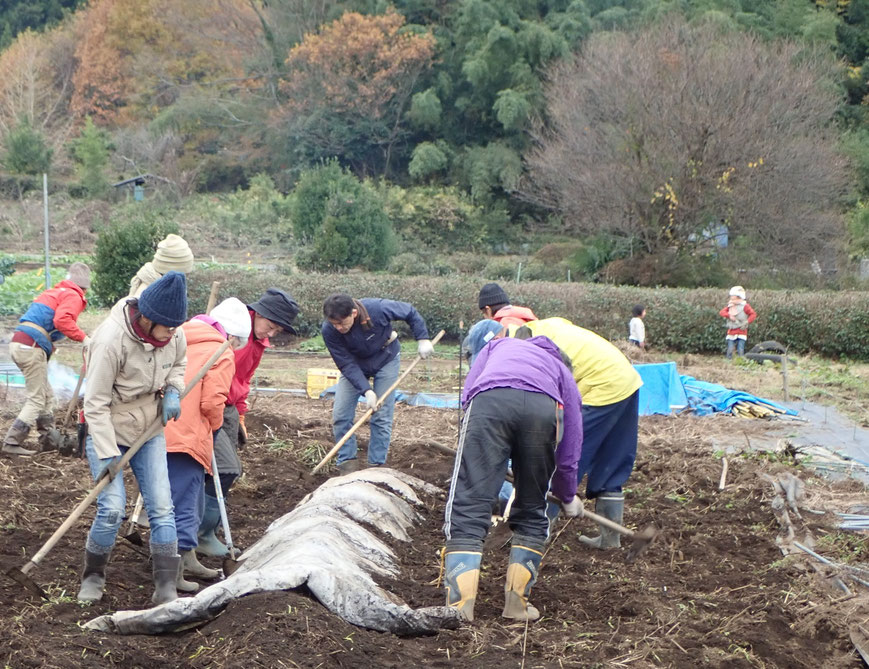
171 404
573 508
371 399
111 470
242 431
424 348
86 341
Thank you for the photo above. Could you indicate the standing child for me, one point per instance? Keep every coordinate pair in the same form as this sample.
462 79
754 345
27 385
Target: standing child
738 314
636 328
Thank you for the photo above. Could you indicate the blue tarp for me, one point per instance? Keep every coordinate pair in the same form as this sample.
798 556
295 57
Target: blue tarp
706 398
662 391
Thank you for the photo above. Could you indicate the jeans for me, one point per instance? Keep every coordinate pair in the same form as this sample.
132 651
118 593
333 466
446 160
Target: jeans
151 472
186 478
344 414
740 348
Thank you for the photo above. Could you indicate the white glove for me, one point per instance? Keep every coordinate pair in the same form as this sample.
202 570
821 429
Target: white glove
371 399
573 508
424 348
86 341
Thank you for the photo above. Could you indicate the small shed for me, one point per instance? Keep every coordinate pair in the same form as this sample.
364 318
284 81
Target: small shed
137 185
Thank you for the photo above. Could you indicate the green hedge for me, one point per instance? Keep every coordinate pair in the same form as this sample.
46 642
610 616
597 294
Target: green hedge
830 323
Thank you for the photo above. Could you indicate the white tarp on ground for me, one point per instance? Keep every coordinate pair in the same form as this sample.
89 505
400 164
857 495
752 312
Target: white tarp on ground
326 543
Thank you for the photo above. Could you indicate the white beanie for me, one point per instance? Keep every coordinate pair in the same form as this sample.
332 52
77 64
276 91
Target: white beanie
233 316
737 291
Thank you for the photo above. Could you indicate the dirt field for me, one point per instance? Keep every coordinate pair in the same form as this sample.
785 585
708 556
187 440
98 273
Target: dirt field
714 591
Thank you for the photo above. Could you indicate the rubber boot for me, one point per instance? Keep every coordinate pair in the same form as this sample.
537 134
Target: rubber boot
348 466
50 439
209 544
93 577
16 436
461 579
181 583
190 566
525 556
610 505
166 569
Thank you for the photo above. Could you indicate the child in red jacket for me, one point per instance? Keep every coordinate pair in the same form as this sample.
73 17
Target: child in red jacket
738 314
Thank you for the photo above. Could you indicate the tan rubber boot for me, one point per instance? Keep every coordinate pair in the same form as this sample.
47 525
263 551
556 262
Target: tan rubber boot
462 579
521 576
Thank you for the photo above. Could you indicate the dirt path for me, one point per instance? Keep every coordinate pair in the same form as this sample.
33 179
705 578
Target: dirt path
715 591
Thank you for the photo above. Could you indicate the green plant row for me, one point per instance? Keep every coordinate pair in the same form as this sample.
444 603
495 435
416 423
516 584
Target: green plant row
834 324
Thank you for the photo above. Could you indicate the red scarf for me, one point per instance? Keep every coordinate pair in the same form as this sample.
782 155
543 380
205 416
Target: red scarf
140 331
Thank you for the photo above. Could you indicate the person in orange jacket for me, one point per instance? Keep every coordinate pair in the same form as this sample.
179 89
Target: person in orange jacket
190 440
494 304
53 315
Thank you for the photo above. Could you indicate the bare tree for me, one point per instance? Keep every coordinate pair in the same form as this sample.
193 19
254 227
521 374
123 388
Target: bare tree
667 134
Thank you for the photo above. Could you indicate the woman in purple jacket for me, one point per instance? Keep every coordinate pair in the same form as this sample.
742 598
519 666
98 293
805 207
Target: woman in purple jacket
521 403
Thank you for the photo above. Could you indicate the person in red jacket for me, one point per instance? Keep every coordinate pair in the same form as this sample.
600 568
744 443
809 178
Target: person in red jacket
272 314
190 439
737 314
52 316
495 305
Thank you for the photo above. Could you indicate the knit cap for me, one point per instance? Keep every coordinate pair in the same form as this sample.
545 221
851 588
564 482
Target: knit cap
80 275
165 301
278 307
173 253
480 334
492 294
233 316
737 291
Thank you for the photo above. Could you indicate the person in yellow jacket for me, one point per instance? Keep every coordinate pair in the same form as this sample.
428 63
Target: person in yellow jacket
609 387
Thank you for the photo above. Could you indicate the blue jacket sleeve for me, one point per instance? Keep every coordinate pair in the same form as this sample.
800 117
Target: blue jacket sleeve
402 311
569 449
343 359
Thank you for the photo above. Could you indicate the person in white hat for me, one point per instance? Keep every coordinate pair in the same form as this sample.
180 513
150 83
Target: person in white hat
737 315
173 254
189 440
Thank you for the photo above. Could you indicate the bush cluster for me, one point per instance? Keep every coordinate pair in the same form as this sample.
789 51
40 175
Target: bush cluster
829 323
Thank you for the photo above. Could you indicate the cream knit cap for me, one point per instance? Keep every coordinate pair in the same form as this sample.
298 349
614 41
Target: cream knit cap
173 253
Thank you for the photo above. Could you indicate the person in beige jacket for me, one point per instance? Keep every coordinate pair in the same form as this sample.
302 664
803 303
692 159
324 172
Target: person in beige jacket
173 254
136 354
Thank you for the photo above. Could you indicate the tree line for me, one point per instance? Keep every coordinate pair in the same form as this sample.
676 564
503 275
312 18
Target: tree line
671 135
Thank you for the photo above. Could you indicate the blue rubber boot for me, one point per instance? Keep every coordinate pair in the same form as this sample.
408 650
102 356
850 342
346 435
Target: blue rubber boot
525 557
461 579
209 544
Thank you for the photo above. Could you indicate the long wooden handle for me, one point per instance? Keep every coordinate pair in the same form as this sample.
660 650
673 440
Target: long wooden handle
368 413
73 402
212 296
600 520
150 432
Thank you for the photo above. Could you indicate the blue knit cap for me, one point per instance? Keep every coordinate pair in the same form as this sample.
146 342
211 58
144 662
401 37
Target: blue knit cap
480 334
165 301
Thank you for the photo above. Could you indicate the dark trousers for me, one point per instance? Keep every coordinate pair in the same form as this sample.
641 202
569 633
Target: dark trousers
609 445
185 480
501 424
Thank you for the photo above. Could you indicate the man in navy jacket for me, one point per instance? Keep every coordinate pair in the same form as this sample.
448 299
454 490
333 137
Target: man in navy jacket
361 341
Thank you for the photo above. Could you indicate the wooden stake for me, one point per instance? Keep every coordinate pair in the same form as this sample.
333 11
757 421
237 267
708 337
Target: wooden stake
212 296
721 481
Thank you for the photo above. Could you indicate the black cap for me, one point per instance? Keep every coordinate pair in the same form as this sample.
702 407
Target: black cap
278 307
492 294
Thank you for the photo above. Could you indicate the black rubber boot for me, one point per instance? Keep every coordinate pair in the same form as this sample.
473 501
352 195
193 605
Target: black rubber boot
166 570
93 577
610 505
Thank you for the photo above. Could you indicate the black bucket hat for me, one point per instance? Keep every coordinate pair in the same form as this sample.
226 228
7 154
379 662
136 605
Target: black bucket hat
278 307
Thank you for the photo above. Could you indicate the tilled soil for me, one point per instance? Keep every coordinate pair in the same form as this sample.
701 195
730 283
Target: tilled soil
714 590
